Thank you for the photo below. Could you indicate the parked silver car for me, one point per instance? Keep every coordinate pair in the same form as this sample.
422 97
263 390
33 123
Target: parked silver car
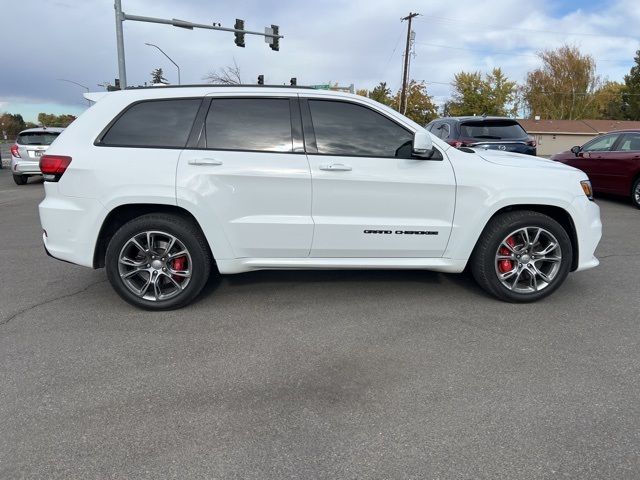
29 147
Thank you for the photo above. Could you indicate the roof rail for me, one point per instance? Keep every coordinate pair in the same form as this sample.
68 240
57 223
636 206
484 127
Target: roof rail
213 85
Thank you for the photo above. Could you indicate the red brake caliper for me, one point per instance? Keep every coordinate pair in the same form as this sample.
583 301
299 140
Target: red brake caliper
178 264
506 265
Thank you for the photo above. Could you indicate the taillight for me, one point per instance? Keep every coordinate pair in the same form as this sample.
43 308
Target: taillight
531 142
14 151
455 143
53 166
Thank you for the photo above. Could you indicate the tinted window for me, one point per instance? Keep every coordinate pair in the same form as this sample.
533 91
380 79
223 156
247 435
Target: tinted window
600 144
492 130
444 130
347 129
630 143
262 124
157 123
37 138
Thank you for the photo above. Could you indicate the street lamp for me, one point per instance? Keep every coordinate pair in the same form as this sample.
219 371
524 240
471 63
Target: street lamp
76 83
162 51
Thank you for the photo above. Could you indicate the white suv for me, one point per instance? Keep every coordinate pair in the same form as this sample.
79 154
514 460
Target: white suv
158 185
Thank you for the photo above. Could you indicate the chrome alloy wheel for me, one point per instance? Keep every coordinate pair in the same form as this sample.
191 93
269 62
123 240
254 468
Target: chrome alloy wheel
528 259
155 265
636 194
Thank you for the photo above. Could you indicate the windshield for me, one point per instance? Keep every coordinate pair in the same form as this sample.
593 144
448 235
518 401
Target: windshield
37 138
493 130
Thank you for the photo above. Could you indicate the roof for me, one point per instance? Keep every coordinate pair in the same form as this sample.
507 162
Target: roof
603 126
43 129
214 85
576 127
474 118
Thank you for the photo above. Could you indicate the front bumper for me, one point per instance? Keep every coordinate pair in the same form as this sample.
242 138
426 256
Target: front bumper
589 230
20 166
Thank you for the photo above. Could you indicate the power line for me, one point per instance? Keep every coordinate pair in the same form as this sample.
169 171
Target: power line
477 50
522 29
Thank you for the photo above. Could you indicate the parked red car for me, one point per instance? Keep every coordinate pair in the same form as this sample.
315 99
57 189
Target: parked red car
612 162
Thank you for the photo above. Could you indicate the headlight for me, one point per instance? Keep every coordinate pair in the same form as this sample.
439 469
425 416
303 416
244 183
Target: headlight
586 188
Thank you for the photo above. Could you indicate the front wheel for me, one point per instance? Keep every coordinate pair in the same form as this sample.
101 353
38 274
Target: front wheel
635 193
522 256
20 179
158 262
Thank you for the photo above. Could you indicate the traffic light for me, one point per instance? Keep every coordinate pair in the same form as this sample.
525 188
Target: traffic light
275 44
260 79
239 25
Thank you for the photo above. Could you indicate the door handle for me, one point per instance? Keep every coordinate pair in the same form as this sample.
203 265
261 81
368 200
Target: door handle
336 167
204 161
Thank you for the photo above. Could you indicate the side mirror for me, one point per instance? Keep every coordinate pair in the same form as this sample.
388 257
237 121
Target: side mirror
576 150
422 145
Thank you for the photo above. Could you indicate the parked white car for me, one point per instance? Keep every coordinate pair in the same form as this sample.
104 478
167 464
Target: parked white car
161 185
27 150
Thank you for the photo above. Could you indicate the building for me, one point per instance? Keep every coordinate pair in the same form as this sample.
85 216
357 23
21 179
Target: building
555 136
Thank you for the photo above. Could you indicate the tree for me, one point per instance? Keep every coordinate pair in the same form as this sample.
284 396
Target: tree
494 94
381 93
564 87
11 124
609 101
631 94
225 75
157 77
420 106
53 120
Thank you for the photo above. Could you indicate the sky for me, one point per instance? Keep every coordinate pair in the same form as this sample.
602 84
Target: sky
355 41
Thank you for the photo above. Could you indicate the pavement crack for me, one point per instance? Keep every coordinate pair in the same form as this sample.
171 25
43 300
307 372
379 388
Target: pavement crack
619 255
51 300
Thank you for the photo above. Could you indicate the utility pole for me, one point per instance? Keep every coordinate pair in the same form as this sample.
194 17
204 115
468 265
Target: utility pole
405 70
271 34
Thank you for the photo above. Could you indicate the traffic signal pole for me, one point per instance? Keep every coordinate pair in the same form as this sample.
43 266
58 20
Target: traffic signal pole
273 37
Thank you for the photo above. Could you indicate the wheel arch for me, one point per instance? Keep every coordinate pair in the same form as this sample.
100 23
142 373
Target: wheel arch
122 214
559 214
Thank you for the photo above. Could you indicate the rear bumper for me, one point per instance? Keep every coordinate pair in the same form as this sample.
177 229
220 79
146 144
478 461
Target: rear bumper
20 166
71 225
589 229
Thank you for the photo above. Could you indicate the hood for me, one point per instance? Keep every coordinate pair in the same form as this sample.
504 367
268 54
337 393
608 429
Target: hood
509 159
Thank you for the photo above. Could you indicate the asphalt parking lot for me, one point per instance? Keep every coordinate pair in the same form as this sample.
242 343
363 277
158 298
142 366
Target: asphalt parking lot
317 374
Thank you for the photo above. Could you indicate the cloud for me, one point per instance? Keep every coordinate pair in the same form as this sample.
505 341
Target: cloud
358 42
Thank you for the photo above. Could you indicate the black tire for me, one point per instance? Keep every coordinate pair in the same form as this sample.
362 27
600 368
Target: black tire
187 233
484 262
635 193
20 179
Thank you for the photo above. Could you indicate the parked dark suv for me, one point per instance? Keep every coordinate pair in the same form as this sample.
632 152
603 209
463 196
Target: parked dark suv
493 133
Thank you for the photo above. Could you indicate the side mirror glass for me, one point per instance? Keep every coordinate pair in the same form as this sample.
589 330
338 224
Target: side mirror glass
422 145
576 150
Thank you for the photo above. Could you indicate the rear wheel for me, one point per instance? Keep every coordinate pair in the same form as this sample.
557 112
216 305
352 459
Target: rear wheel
158 262
635 193
522 256
20 179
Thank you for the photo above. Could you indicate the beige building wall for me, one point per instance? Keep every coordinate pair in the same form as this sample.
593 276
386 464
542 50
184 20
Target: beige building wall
550 143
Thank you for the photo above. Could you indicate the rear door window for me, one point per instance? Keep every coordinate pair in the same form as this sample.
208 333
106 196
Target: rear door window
492 130
37 138
249 124
630 143
154 123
